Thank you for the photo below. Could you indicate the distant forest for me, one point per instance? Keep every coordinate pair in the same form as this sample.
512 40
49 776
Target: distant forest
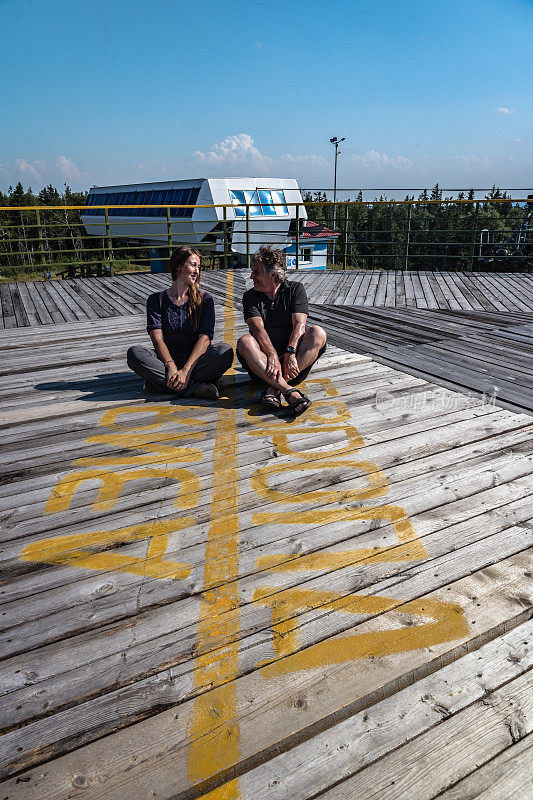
442 235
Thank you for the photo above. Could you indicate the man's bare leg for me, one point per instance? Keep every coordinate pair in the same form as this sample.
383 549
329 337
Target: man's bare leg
309 346
257 361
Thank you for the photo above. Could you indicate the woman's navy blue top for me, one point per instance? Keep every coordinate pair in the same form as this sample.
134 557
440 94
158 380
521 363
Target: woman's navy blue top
178 333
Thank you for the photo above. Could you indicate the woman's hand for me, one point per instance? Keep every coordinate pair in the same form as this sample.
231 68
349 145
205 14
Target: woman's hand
177 379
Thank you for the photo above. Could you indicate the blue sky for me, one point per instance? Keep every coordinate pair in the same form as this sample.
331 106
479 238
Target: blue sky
121 92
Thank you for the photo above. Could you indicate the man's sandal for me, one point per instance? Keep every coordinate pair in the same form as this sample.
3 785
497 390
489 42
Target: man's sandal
270 400
301 405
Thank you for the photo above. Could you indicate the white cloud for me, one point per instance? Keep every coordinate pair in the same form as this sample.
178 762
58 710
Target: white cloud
380 162
28 170
232 149
68 169
38 173
504 110
472 162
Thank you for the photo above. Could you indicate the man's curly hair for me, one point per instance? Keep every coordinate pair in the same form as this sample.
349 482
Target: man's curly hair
273 261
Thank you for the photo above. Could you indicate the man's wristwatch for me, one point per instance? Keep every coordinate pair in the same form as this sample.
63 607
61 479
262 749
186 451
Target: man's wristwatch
290 350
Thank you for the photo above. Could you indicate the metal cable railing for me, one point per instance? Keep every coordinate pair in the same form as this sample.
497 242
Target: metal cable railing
465 234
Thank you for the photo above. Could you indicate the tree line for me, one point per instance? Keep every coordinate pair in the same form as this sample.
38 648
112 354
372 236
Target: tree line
381 235
442 235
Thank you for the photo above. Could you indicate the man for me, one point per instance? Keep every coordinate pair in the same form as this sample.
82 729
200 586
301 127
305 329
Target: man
278 352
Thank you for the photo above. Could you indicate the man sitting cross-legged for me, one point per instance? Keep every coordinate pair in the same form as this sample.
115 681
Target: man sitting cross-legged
278 352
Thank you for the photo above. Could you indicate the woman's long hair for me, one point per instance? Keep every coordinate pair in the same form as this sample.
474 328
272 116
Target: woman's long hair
177 260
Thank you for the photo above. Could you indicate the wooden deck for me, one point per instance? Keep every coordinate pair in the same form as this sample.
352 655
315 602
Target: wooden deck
81 299
206 600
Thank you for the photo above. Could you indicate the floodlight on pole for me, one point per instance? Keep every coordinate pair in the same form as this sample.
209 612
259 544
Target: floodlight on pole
336 142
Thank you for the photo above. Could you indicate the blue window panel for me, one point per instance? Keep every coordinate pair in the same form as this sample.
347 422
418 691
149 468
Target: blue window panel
183 197
100 200
115 200
157 199
238 201
145 212
278 196
252 198
127 198
265 198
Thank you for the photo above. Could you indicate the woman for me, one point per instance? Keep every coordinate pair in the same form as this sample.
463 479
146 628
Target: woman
181 324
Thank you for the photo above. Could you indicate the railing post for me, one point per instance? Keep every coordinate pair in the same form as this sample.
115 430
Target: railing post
225 227
109 245
40 237
345 254
248 260
297 240
169 236
408 237
473 242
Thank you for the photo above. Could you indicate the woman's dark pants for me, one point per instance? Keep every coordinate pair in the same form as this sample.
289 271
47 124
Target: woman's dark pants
209 368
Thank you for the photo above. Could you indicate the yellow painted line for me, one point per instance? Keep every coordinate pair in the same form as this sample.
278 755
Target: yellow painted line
213 728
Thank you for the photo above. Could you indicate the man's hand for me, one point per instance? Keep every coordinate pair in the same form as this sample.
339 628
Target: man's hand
290 366
177 379
273 367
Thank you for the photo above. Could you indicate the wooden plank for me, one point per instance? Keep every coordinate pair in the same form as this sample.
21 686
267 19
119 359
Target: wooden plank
381 291
400 289
461 301
438 292
29 307
20 313
349 281
266 732
107 296
470 281
42 311
8 312
464 286
513 302
509 774
51 307
428 292
76 306
449 752
362 740
370 296
60 300
354 288
420 298
514 289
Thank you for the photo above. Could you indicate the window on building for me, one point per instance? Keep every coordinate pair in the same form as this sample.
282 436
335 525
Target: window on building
306 254
263 202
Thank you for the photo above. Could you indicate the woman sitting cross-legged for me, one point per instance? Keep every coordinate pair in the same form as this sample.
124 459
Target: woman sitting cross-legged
181 324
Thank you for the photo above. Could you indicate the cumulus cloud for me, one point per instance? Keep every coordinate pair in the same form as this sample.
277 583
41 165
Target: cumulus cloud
239 152
232 149
472 162
37 173
504 110
29 170
68 169
381 162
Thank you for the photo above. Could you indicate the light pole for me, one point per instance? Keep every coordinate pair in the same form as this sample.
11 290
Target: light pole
335 141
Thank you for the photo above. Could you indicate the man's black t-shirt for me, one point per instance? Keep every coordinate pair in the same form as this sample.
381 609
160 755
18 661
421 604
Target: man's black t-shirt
291 298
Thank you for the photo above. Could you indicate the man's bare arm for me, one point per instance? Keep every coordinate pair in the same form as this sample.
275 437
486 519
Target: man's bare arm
290 362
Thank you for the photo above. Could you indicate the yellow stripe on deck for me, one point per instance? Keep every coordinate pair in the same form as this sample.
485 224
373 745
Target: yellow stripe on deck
213 730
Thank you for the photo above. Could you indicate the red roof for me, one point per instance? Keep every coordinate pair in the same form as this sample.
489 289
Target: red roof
314 230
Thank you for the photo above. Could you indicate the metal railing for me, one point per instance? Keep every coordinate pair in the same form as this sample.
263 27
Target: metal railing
386 234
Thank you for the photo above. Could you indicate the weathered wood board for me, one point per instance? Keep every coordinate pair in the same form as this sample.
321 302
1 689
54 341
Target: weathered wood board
209 600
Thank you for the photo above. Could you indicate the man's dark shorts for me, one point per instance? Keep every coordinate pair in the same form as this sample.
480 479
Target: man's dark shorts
294 381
